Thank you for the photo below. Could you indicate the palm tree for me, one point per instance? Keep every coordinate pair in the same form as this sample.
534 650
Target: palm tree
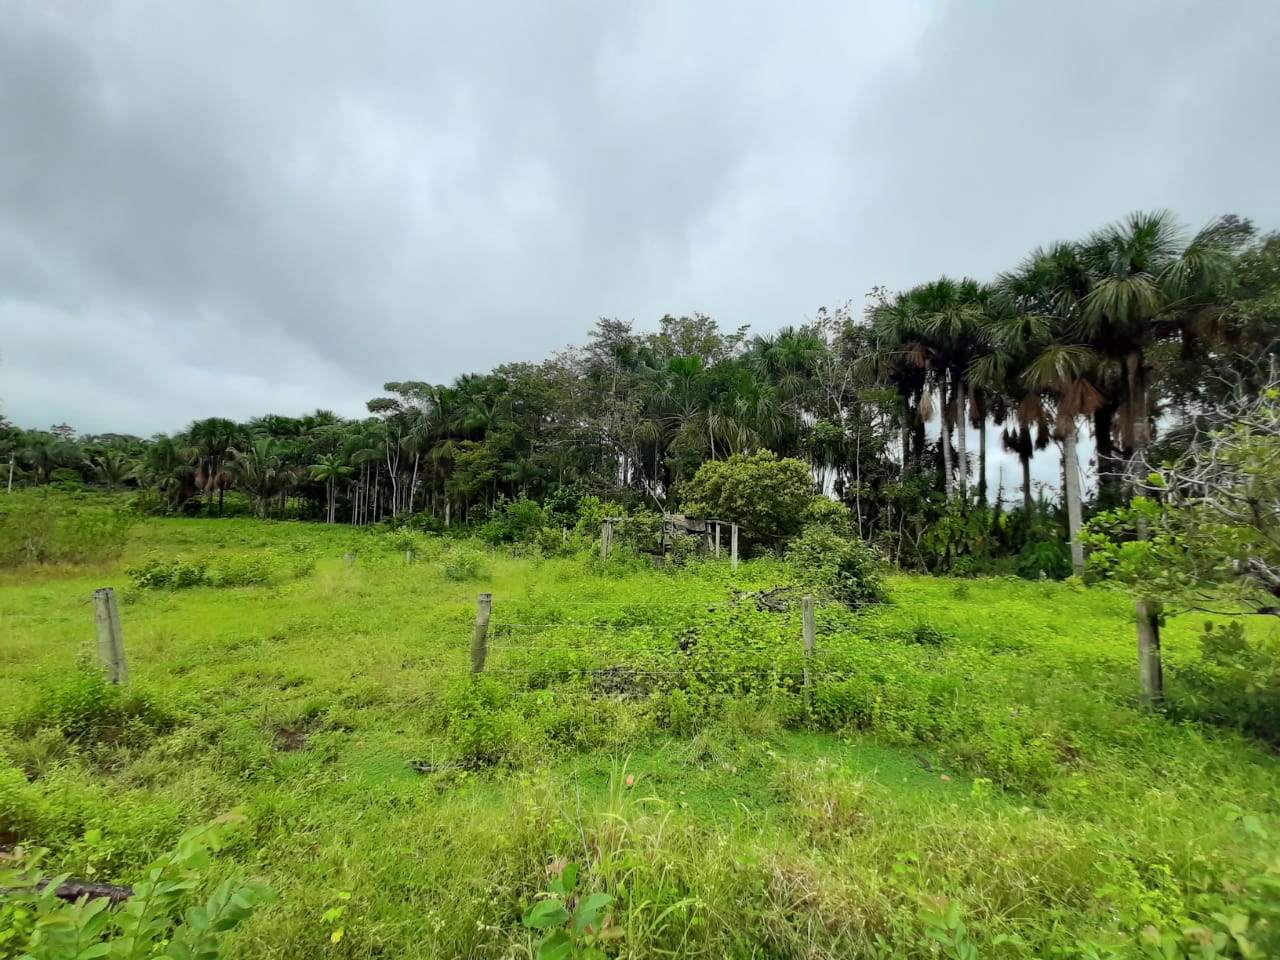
1041 301
1145 280
164 468
46 453
212 442
258 472
114 467
950 315
330 469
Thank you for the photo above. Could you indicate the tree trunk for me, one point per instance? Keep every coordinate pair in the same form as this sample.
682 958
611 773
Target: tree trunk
1025 460
1071 485
982 460
962 459
1150 670
1104 454
1150 673
413 484
906 446
948 476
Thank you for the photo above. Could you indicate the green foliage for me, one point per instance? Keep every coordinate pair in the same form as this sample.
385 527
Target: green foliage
83 705
222 570
767 496
163 917
462 563
514 521
36 528
841 568
1235 682
1044 558
959 541
572 926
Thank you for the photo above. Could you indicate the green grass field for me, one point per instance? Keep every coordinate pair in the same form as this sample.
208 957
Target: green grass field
974 773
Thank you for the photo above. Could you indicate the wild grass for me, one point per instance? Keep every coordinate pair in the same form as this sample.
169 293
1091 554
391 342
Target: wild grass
975 773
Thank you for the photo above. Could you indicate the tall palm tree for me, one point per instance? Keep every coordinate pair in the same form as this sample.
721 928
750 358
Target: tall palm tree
951 315
1146 278
258 471
1041 301
329 470
212 442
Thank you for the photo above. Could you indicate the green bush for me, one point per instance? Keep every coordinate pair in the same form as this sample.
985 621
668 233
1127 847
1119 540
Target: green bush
85 706
514 521
463 564
223 570
163 918
1044 558
841 568
1235 682
767 496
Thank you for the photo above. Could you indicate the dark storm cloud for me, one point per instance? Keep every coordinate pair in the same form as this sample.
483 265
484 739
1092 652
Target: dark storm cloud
245 207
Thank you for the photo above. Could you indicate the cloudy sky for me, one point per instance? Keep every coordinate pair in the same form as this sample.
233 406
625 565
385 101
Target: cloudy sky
246 207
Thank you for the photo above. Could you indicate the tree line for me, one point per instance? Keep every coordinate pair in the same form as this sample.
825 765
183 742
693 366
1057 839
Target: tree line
1134 333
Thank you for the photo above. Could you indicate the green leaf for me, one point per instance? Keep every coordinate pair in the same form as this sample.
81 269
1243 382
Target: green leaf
558 946
589 910
548 913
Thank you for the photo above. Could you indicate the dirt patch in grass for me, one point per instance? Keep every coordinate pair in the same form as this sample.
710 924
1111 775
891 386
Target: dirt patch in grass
291 737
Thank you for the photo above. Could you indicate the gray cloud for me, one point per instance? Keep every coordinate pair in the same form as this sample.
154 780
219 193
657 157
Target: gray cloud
248 207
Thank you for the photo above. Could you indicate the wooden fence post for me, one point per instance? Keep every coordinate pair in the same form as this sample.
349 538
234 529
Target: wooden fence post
480 637
408 556
733 546
106 616
717 539
606 538
810 642
349 558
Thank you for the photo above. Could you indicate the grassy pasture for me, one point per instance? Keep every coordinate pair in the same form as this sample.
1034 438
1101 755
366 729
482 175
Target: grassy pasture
971 743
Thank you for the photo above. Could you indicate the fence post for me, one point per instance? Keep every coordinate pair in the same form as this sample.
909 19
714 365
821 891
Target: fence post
733 546
408 556
606 535
810 641
717 539
480 637
106 616
349 558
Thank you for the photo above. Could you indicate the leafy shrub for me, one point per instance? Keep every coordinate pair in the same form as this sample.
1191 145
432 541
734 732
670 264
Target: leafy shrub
169 574
1236 681
483 728
767 496
463 564
18 801
85 705
514 521
37 925
842 568
241 570
1044 558
225 570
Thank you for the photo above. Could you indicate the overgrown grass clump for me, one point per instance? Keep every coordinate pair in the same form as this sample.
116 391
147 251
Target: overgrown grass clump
968 772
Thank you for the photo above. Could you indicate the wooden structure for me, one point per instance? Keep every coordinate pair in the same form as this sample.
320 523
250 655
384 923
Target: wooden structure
674 525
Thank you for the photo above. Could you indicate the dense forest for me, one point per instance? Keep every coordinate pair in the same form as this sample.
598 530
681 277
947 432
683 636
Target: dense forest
1125 340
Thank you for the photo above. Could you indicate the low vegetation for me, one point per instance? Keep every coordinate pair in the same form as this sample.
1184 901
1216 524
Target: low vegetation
638 771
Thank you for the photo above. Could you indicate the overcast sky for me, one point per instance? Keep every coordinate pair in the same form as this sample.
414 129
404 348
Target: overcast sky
237 208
